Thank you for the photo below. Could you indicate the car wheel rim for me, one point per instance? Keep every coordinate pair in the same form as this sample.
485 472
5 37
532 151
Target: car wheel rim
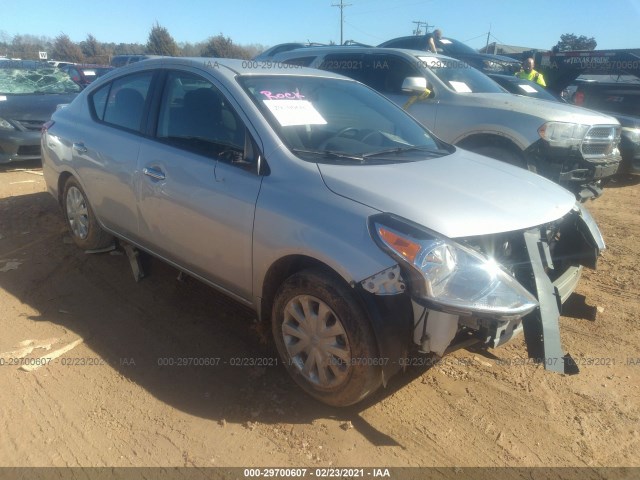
316 341
77 213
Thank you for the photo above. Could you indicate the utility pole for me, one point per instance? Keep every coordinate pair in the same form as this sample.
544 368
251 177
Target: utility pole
342 6
486 48
419 24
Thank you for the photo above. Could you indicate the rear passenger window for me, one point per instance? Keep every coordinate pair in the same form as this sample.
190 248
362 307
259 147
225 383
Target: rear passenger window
99 101
300 62
121 102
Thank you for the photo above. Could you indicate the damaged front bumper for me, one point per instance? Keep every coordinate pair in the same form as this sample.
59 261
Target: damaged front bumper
568 167
546 260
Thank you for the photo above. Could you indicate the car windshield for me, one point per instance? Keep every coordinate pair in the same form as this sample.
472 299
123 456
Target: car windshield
25 81
324 119
459 76
454 47
530 89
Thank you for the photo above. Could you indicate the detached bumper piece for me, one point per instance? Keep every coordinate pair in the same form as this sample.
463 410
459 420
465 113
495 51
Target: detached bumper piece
542 328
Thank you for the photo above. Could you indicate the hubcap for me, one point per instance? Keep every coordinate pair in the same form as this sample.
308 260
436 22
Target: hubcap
77 213
316 341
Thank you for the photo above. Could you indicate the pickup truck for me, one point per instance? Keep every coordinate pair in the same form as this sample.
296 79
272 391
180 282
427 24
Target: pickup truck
574 147
611 98
456 49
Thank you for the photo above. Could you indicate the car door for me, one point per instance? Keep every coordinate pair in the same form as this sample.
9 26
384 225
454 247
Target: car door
385 72
105 150
199 184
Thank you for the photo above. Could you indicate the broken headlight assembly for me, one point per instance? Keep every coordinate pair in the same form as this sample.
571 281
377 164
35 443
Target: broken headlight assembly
448 275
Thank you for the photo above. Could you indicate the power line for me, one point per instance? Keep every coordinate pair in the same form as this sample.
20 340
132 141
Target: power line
363 32
419 24
341 6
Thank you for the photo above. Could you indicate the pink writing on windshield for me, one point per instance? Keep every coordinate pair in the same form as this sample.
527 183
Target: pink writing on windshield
286 95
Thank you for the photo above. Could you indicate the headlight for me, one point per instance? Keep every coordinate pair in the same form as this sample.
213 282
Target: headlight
490 65
5 125
561 134
633 134
449 274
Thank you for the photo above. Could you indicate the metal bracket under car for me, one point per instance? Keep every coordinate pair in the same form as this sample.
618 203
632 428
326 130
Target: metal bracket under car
541 327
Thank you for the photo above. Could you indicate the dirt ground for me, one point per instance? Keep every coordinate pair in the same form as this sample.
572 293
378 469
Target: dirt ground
110 401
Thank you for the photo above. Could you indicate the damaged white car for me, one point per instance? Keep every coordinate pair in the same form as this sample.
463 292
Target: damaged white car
341 220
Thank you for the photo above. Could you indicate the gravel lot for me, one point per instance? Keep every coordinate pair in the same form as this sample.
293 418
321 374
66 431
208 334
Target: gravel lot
113 399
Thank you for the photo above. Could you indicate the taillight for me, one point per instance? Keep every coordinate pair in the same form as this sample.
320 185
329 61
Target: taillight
578 98
46 126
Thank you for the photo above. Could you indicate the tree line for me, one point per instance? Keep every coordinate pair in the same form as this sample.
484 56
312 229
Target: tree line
160 42
90 50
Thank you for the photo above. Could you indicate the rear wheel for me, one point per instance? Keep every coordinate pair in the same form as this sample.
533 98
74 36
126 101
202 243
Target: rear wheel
325 339
82 222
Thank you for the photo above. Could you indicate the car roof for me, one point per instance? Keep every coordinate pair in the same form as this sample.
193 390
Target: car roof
228 67
356 49
406 37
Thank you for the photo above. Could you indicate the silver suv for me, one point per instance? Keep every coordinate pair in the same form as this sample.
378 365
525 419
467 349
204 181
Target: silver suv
573 146
359 236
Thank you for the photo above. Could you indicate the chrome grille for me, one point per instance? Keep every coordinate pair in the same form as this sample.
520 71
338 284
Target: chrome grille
597 149
601 132
600 141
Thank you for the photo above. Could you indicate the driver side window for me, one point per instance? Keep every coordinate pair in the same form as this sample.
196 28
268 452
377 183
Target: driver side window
195 116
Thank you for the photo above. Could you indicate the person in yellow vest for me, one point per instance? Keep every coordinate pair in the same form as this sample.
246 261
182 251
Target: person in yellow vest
528 73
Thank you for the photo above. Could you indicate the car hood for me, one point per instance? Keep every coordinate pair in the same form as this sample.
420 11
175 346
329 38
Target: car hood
548 110
458 195
630 121
32 107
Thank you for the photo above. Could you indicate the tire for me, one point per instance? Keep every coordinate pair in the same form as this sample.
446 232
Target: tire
348 370
81 220
503 154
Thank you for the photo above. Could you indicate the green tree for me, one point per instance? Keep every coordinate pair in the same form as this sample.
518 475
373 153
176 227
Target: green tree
223 47
160 42
94 51
64 49
569 41
27 47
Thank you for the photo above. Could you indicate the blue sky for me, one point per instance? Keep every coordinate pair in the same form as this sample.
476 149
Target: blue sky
532 23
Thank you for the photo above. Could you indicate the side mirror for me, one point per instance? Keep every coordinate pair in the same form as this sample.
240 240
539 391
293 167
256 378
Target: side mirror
414 85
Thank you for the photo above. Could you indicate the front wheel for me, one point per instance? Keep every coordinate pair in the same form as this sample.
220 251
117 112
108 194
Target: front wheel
81 220
325 339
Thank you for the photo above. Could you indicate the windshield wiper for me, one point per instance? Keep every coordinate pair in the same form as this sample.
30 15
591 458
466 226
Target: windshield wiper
399 150
330 154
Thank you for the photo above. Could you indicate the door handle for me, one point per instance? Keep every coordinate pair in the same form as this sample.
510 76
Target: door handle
154 173
80 148
217 175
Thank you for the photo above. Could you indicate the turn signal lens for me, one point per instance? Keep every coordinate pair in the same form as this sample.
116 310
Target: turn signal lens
401 245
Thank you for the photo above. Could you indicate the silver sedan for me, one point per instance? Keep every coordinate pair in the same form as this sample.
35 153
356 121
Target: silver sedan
358 235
